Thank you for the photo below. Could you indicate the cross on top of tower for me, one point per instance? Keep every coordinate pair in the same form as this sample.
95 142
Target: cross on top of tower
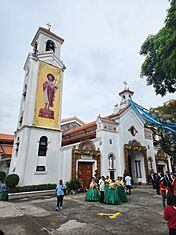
49 26
125 83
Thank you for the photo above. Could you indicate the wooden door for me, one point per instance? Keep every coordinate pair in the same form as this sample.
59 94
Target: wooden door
85 173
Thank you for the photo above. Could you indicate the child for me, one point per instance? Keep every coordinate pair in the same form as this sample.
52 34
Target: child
60 194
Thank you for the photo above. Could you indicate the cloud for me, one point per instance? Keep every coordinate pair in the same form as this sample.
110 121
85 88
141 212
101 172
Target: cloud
101 50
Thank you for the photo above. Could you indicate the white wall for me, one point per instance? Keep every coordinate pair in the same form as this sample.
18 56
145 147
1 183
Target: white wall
42 39
128 119
151 153
66 163
28 159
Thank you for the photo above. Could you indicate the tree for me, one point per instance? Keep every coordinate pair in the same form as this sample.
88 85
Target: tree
166 114
159 66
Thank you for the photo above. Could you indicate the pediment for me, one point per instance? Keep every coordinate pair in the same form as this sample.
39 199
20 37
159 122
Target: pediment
51 59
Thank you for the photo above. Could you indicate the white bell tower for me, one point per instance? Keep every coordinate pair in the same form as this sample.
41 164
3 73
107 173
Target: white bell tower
125 95
36 151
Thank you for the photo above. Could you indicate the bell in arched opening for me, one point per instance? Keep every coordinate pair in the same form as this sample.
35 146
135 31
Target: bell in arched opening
50 46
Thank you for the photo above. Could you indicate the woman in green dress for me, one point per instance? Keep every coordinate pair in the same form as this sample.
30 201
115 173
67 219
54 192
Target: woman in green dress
92 194
112 197
122 194
108 181
121 189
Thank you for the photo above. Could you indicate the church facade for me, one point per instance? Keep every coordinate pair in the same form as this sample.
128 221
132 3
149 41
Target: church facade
111 145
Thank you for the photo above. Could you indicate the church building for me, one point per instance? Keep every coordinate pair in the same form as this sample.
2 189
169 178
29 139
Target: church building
43 152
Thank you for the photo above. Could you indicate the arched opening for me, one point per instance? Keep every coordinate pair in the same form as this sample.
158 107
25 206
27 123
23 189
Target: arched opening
111 158
43 144
50 46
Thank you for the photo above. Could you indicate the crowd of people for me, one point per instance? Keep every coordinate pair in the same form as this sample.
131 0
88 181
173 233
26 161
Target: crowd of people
113 192
165 186
108 190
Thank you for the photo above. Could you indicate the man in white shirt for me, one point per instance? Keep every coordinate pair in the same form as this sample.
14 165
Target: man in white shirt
101 188
128 183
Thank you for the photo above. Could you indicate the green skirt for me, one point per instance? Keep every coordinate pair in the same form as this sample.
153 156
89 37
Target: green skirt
92 195
106 193
122 194
112 197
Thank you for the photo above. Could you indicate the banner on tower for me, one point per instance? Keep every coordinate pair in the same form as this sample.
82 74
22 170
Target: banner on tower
48 95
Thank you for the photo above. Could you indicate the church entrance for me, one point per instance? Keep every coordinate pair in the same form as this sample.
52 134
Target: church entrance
85 162
85 173
136 161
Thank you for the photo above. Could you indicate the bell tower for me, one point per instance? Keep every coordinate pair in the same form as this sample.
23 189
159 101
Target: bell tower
36 150
125 95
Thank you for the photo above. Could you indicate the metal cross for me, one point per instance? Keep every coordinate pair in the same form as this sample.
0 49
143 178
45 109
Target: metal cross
125 83
49 26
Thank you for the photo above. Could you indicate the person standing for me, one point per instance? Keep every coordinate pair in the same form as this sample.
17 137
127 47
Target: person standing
101 188
92 194
169 192
170 216
60 194
157 183
163 191
113 197
168 177
128 183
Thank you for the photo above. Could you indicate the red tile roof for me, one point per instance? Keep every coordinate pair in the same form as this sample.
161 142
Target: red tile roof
91 124
1 150
119 113
108 120
80 128
7 150
6 137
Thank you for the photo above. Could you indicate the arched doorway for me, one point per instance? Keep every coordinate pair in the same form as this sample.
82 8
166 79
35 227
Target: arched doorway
136 161
85 162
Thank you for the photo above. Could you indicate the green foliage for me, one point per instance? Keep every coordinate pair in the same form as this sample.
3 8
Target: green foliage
159 66
74 184
12 180
166 114
2 176
29 188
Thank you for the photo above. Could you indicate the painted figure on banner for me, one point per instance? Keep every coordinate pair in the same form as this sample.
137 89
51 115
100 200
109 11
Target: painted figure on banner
49 89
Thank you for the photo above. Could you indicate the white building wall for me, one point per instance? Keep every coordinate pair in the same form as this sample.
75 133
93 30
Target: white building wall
128 119
66 162
32 79
42 40
151 153
108 143
29 159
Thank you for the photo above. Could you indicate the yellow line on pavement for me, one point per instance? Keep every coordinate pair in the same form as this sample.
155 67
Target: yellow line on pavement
114 215
111 216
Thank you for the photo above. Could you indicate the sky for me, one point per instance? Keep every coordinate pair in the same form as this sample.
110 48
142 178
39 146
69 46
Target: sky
100 52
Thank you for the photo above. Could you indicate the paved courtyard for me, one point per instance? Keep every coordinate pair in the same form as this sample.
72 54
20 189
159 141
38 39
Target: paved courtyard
143 214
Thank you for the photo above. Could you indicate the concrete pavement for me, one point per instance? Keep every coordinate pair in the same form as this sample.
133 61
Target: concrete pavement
142 214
